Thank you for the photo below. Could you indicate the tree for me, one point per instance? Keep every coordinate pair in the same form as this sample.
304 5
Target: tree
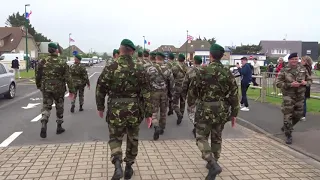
247 49
105 55
211 41
18 20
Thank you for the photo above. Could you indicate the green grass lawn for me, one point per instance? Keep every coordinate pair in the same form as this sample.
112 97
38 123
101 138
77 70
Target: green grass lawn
312 104
317 73
26 75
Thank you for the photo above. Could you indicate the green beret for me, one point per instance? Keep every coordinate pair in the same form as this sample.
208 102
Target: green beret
171 55
153 54
181 56
160 54
78 57
216 47
128 43
146 52
197 59
115 51
53 45
139 53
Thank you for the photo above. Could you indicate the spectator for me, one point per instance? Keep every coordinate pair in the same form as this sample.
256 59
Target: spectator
270 69
306 61
15 65
256 71
246 78
279 66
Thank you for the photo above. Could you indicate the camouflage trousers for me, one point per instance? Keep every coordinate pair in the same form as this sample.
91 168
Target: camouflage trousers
292 109
48 99
81 95
170 102
182 98
116 134
159 101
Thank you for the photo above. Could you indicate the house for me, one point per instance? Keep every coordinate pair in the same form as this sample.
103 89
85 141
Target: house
166 49
195 47
73 48
282 48
13 40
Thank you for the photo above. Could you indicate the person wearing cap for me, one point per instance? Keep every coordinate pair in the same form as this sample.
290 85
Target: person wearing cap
124 81
170 63
161 79
115 54
179 71
246 77
153 57
213 93
52 75
80 79
146 60
292 80
140 57
191 73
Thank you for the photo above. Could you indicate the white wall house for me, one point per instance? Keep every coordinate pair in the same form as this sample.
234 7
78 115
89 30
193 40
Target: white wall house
204 55
234 59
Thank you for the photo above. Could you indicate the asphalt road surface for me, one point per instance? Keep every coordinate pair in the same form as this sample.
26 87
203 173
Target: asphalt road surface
20 125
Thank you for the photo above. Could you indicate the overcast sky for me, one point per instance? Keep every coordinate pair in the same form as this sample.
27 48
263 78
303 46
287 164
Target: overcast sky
102 25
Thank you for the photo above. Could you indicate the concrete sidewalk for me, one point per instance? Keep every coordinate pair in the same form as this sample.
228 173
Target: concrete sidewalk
255 158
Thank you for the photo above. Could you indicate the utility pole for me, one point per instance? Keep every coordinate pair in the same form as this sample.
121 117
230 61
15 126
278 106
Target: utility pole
144 43
187 46
26 26
69 47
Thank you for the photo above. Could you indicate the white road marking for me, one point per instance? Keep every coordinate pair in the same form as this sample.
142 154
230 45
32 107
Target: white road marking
11 138
39 116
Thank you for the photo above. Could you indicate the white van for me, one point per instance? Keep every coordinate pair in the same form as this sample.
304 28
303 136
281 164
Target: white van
6 58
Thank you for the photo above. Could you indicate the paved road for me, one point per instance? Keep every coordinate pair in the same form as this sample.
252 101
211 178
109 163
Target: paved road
22 127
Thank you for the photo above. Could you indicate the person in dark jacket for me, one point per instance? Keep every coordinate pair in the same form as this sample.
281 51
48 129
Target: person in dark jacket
15 65
307 62
246 78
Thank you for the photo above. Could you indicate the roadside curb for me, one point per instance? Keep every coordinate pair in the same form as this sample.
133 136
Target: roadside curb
257 129
24 80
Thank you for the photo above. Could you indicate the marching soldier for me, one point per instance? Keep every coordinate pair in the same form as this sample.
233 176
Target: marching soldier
140 56
292 80
153 57
170 63
215 90
115 54
51 78
179 71
80 79
124 82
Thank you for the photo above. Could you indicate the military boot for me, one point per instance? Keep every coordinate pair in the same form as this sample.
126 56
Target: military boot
194 130
179 120
72 108
60 129
43 132
161 131
214 169
156 133
128 171
289 138
170 112
118 172
81 109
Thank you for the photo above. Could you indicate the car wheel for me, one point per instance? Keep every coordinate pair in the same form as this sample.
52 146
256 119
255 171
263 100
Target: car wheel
12 91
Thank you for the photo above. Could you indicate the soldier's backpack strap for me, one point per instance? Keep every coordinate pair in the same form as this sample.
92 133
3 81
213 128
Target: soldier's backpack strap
160 72
181 69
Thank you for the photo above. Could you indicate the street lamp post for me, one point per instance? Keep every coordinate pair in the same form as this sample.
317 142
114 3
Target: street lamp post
26 26
144 43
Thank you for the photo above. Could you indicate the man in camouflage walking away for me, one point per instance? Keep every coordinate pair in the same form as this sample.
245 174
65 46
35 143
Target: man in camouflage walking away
292 80
161 79
146 59
124 82
51 77
140 56
80 79
170 63
153 57
214 91
191 74
179 71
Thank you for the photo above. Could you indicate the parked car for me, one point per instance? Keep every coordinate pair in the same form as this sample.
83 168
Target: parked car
7 82
86 61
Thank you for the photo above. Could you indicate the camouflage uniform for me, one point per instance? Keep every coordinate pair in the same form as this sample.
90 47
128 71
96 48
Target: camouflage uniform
161 79
124 82
80 79
52 74
179 70
215 93
293 97
170 63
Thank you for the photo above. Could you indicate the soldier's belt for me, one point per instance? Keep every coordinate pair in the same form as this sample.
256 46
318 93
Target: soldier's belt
120 100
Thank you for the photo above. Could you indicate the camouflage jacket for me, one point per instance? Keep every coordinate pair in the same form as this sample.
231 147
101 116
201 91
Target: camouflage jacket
179 70
161 77
170 63
52 75
288 75
215 83
191 73
79 75
123 79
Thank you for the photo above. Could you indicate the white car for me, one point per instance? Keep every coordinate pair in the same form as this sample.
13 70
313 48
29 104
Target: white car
7 82
86 61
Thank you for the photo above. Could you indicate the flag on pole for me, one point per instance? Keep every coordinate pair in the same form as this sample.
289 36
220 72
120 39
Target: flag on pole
189 38
71 40
146 42
28 15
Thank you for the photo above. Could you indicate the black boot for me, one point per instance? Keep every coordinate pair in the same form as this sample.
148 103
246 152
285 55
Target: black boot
156 133
118 172
128 171
214 169
161 131
179 120
72 109
60 129
282 129
81 109
170 112
194 132
289 139
43 132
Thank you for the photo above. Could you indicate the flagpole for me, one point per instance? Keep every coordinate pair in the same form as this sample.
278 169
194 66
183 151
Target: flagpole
144 43
26 26
69 46
187 46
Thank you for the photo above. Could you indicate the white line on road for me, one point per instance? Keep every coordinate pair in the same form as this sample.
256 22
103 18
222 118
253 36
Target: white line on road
39 116
11 138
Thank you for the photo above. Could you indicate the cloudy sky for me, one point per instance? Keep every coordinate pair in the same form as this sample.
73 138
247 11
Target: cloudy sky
101 25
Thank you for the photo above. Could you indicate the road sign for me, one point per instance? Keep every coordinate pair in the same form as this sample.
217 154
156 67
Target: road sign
75 53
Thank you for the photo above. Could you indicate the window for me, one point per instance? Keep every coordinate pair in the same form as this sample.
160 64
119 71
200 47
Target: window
2 69
308 51
202 46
